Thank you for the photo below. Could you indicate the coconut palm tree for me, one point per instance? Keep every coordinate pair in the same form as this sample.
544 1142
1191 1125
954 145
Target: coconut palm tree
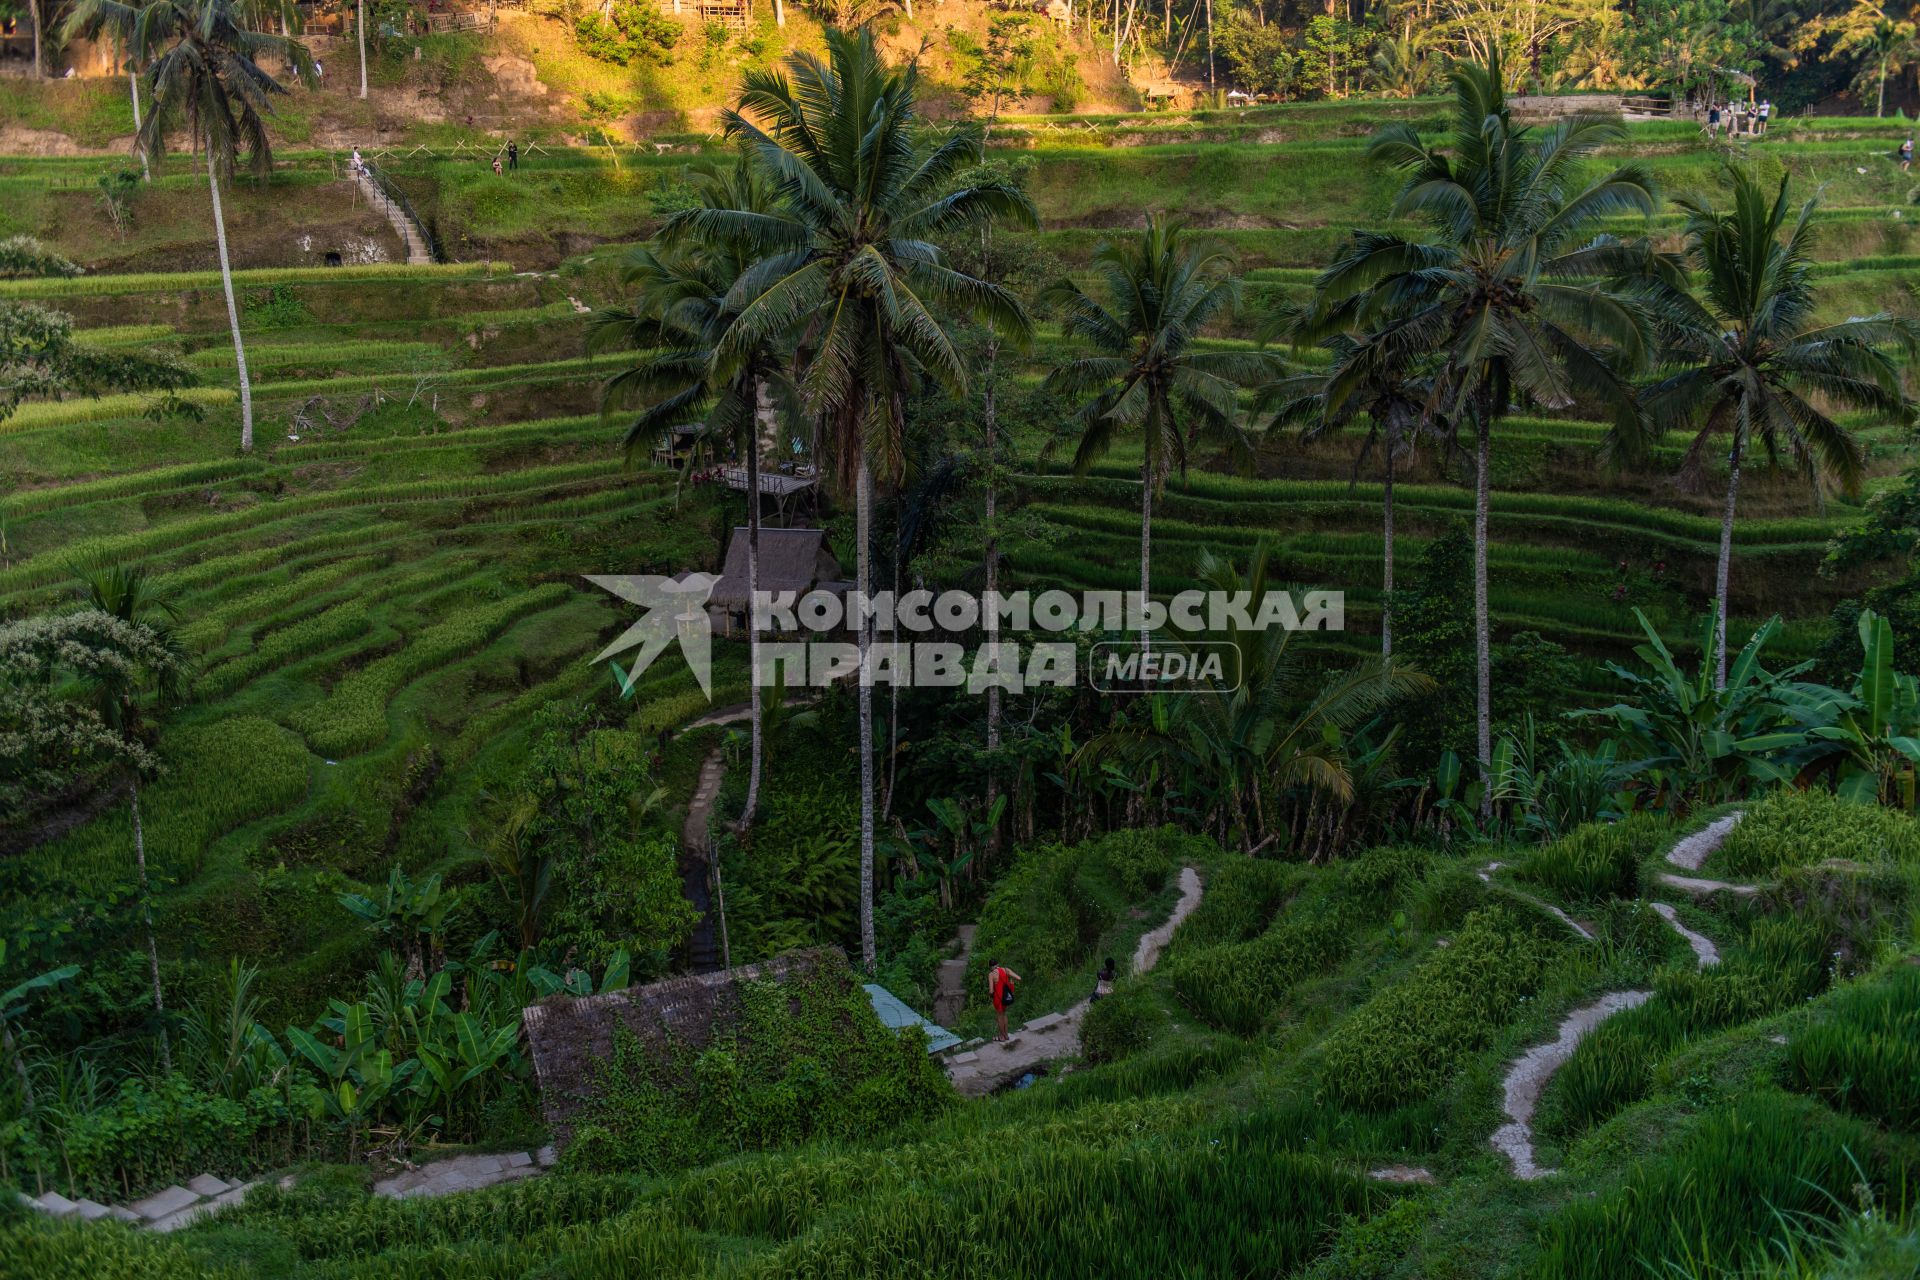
1510 295
119 24
1145 373
684 300
1757 370
129 595
848 268
202 69
1322 401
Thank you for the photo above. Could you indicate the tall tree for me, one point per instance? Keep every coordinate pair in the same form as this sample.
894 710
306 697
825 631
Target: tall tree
1757 370
1146 373
129 595
202 69
848 267
683 301
1394 400
1510 294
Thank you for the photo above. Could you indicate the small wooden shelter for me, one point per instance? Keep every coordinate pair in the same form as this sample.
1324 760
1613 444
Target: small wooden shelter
794 560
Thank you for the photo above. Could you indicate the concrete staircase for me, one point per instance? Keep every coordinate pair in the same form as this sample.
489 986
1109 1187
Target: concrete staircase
165 1210
413 236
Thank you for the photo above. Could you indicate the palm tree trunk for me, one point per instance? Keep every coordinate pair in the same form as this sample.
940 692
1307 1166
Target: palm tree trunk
863 526
1147 475
233 310
361 25
1880 103
146 914
39 58
762 419
779 13
989 413
133 87
1724 570
1386 560
1482 643
1210 83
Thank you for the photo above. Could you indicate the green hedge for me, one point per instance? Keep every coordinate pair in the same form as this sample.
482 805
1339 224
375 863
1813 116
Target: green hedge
1406 1042
1794 828
1598 861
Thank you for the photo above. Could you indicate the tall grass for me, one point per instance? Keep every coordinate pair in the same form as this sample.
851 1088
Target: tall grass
1713 1203
1862 1054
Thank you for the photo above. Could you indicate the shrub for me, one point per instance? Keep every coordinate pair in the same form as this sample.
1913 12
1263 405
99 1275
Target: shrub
1597 861
1140 861
807 1059
1385 870
1863 1055
1715 1201
1407 1041
153 1133
1243 894
1238 986
1121 1024
1373 1248
1793 828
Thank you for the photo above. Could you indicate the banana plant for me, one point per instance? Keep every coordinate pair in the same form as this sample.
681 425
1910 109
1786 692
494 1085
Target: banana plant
358 1076
1867 741
1693 743
409 912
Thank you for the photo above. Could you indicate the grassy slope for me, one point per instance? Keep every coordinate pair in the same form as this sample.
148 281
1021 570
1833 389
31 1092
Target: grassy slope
312 560
1217 1131
415 521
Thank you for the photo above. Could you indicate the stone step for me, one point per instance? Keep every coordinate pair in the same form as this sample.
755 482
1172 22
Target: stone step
162 1204
205 1184
90 1211
56 1204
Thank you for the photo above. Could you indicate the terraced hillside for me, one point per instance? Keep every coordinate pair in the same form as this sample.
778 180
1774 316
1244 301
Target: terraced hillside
391 581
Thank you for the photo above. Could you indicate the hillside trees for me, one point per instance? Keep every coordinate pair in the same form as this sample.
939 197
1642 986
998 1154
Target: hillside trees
1144 372
1757 371
203 69
1508 298
849 270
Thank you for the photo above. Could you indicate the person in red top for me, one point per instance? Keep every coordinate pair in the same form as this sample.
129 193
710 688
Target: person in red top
1000 984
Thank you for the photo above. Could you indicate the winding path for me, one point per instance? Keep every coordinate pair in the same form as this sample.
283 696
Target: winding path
979 1071
1527 1076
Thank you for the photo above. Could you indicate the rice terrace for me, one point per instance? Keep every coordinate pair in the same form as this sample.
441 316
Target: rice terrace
959 638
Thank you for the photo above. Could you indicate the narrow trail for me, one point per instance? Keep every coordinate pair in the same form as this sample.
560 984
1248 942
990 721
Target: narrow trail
1486 874
978 1072
1691 853
1528 1075
950 992
696 864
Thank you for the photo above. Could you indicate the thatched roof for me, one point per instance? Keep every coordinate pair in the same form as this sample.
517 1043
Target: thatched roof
572 1037
790 560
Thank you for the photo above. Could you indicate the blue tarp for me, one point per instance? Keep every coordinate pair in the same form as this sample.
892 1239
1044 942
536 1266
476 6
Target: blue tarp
894 1013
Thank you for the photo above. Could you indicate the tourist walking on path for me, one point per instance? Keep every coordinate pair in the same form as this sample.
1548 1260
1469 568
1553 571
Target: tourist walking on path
513 155
1713 119
1906 155
1765 114
1000 985
1103 980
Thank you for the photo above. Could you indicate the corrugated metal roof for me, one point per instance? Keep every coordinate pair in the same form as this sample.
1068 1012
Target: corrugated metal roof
893 1012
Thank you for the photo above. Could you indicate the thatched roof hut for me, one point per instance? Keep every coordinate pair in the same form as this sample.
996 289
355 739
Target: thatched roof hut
573 1037
790 560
